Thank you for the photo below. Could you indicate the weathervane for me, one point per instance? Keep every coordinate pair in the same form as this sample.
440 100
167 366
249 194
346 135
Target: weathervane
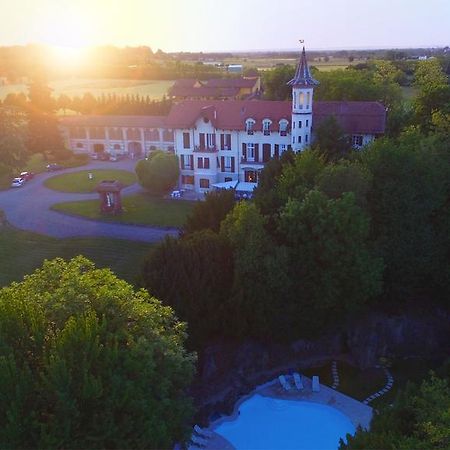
302 41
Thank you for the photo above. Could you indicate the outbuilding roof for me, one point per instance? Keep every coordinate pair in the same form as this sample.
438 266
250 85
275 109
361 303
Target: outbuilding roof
114 121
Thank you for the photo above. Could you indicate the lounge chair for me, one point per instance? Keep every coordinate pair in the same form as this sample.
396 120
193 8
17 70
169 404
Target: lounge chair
284 383
198 441
315 384
202 432
298 381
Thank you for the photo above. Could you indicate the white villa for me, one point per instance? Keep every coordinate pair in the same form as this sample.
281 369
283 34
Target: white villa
225 143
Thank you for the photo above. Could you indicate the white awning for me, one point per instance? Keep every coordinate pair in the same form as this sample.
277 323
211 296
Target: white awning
245 187
226 185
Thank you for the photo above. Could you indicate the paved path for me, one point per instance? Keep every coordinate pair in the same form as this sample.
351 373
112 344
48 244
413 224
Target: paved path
28 208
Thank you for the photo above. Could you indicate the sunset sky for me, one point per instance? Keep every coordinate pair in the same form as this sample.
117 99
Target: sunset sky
220 25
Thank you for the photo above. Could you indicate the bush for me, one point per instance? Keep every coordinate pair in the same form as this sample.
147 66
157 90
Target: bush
159 173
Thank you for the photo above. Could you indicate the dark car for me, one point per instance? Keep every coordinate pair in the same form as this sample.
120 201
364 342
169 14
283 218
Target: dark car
27 175
52 167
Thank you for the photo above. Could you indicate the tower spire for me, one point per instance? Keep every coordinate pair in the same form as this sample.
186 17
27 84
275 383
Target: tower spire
303 77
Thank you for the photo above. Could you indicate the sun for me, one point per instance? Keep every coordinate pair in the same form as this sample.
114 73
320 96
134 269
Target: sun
67 55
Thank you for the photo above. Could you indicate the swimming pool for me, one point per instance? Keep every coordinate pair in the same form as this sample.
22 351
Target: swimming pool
275 424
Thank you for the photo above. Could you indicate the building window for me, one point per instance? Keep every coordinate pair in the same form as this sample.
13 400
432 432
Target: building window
357 140
266 127
293 139
151 135
115 134
250 152
301 99
186 140
308 98
283 127
227 162
200 163
187 179
249 125
206 163
228 179
116 146
225 141
133 134
299 139
251 176
204 183
168 136
306 138
186 162
307 122
299 123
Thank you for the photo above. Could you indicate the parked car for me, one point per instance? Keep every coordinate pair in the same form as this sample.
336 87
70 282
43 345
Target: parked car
17 182
52 167
27 175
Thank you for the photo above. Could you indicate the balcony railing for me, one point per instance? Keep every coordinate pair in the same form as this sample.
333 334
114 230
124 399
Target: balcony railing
205 149
250 161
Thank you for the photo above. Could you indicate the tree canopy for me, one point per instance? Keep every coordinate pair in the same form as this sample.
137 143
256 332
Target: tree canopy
87 362
159 173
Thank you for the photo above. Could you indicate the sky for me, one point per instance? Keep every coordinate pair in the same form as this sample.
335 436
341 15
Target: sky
227 25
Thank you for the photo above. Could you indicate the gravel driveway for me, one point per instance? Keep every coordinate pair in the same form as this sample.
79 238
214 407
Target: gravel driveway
28 208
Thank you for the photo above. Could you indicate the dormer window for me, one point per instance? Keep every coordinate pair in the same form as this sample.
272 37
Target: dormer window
266 127
249 126
283 127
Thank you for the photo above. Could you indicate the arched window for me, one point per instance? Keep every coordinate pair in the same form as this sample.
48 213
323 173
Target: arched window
283 127
301 99
266 126
308 99
249 126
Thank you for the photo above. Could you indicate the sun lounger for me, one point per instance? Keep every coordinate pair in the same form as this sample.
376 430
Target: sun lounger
202 432
315 384
284 383
198 441
298 381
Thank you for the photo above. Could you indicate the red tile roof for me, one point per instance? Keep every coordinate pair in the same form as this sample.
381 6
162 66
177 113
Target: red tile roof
230 114
354 117
203 91
243 82
114 121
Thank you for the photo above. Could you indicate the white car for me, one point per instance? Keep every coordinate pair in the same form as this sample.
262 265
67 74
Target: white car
18 182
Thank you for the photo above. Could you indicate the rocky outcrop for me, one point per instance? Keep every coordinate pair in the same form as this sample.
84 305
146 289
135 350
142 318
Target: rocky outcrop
228 370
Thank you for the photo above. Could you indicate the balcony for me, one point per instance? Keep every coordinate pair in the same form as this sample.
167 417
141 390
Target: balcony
251 161
205 149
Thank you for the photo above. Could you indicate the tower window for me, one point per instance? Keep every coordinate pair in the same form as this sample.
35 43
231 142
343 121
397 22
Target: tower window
299 139
308 96
307 122
306 138
299 123
301 99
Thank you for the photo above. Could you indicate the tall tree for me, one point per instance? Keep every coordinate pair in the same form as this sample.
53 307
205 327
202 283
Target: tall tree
86 361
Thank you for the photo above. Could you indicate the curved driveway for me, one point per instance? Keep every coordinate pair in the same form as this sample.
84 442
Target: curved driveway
28 208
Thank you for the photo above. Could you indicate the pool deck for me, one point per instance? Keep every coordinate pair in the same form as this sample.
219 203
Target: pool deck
356 411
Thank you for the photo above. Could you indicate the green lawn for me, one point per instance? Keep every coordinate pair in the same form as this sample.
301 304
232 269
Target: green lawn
141 209
22 252
79 181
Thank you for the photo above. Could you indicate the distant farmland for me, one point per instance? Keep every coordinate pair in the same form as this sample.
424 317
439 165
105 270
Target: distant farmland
155 89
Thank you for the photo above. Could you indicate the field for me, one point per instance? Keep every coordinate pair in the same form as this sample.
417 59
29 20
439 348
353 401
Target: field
23 252
267 63
155 89
80 182
139 209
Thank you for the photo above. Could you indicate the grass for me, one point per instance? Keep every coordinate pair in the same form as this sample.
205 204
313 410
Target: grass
155 89
80 182
22 252
360 384
141 209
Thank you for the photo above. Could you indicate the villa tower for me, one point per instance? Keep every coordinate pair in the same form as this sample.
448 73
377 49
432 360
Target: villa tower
302 99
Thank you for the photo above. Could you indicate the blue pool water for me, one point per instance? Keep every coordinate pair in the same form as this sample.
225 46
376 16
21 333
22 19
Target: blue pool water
275 424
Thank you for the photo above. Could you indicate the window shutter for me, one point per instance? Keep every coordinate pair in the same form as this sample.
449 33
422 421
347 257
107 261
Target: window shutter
222 143
244 151
202 140
256 152
182 162
213 139
232 164
222 162
191 157
206 163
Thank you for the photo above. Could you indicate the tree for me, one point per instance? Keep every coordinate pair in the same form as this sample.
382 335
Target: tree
274 82
13 153
193 275
419 418
260 283
208 214
330 140
86 361
333 270
159 173
43 133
